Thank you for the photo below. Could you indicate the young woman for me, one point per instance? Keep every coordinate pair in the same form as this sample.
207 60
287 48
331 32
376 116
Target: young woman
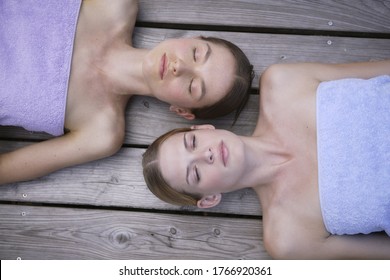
318 160
69 69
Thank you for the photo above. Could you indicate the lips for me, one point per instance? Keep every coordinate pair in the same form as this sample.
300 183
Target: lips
163 66
224 152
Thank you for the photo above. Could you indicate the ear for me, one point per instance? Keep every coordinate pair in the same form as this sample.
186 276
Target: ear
202 126
184 112
209 201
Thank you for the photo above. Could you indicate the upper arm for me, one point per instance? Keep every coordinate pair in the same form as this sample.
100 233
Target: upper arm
42 158
326 72
360 70
369 246
361 246
281 82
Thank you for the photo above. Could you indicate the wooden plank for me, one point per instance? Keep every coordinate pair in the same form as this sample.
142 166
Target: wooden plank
113 182
28 232
264 50
146 116
124 224
328 15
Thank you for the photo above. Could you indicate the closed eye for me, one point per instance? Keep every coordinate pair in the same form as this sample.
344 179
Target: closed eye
193 142
197 174
190 86
194 53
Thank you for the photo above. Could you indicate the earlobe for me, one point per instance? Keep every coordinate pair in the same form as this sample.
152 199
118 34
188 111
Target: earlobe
209 201
185 113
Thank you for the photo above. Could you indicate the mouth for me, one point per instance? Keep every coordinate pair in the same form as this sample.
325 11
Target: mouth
163 66
224 152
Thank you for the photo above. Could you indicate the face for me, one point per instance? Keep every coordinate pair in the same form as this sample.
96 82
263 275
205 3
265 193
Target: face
189 72
204 161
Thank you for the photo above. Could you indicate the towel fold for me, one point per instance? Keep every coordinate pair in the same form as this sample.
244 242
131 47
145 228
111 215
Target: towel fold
353 137
36 39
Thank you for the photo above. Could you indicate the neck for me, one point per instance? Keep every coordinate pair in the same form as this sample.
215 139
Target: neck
266 160
123 70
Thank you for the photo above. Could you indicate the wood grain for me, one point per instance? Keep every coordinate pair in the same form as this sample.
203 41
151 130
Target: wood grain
57 233
103 209
113 182
264 49
329 15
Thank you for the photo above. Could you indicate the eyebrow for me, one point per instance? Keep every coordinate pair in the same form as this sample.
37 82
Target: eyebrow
206 57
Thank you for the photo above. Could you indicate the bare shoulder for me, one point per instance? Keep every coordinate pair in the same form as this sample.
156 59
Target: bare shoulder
287 76
285 238
108 13
282 85
105 134
279 239
119 6
291 243
122 9
290 235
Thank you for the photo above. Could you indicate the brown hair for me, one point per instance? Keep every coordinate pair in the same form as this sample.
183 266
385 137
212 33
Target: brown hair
238 95
154 179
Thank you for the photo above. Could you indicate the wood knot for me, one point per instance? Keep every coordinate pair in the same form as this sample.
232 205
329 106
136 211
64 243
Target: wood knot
121 238
114 179
173 231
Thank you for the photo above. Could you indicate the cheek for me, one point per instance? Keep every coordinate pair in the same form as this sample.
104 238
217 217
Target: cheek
173 95
215 180
177 86
175 91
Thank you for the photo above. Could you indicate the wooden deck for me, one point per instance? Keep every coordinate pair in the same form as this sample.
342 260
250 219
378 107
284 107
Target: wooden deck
103 210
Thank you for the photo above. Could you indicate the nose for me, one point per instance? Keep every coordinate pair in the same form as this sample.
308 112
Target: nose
206 156
180 67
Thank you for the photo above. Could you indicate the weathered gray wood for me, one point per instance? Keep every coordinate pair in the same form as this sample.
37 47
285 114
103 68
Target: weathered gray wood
329 15
140 231
264 50
147 118
113 182
145 115
57 233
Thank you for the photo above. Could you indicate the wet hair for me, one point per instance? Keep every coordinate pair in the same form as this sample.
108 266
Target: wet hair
154 179
238 95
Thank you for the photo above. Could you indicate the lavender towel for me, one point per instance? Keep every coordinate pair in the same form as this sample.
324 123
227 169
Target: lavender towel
36 44
353 135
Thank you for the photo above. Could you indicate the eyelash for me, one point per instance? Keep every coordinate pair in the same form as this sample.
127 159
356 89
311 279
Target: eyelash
190 86
197 176
193 142
194 53
193 146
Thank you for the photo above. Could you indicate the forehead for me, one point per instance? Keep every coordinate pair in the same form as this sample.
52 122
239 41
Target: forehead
171 160
219 72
